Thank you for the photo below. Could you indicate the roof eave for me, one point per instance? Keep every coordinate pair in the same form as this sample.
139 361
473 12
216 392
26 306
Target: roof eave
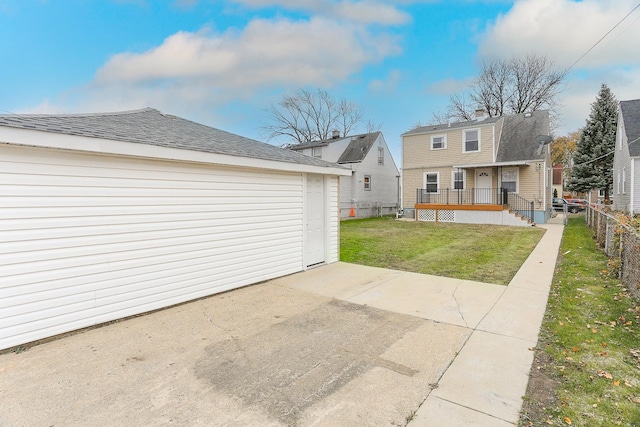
487 165
42 139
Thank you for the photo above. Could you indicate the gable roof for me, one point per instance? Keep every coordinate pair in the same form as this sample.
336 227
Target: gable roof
631 116
356 150
150 126
518 138
448 126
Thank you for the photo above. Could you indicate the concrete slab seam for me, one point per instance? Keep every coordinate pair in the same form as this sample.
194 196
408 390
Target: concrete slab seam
377 284
434 385
473 409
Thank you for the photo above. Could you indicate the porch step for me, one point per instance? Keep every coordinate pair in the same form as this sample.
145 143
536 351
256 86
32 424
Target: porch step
517 215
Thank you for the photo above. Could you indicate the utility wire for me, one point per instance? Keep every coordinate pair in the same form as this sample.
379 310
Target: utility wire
603 156
602 38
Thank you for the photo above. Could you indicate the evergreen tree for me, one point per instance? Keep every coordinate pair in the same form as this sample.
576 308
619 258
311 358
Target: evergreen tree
593 160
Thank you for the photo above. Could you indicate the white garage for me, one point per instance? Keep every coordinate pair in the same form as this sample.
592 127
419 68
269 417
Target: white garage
104 216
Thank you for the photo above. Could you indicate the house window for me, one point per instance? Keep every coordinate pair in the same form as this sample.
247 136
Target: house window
380 156
438 142
458 179
601 192
431 182
367 183
619 138
317 152
510 180
471 140
619 181
624 180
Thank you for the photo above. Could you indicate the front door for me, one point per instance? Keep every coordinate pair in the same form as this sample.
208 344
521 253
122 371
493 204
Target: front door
483 185
315 218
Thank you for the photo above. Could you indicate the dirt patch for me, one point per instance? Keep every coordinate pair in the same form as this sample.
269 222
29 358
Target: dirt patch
540 396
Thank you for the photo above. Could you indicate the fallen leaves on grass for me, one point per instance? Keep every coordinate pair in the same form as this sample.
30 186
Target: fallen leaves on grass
605 374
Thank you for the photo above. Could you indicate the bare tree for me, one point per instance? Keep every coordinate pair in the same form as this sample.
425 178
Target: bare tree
511 86
309 115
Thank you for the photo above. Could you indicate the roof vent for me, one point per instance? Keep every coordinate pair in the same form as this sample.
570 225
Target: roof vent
527 114
335 134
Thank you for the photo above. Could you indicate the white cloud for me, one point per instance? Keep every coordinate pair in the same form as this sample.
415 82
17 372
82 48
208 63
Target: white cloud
201 71
386 85
283 52
449 87
564 30
363 11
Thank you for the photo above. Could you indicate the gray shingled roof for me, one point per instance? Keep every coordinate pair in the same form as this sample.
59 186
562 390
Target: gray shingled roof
358 148
631 116
355 152
518 139
447 126
150 126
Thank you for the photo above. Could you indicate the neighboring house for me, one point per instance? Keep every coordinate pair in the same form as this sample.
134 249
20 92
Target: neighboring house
626 168
110 215
373 188
493 170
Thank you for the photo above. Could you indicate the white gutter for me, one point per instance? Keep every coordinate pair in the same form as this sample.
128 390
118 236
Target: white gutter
486 165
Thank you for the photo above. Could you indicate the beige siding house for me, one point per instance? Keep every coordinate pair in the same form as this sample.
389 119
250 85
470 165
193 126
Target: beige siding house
494 170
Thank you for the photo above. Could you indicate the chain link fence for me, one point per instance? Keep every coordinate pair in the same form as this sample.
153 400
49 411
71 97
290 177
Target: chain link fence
621 243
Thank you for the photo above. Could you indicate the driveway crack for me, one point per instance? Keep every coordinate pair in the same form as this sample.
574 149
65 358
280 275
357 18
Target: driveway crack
453 294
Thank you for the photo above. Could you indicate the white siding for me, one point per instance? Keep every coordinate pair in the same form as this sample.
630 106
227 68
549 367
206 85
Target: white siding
334 218
86 239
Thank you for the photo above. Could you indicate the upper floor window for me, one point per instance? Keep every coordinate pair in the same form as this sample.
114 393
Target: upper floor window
380 156
624 180
367 183
471 140
438 142
317 152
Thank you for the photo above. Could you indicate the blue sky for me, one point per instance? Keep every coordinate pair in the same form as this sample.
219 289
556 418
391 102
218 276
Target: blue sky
222 63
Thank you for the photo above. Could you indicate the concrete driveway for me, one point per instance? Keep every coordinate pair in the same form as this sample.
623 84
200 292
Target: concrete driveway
337 345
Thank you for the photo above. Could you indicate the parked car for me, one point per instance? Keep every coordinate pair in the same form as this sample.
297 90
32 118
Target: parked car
582 202
559 204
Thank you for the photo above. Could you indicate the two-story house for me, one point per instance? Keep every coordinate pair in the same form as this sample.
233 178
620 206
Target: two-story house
626 173
492 170
373 188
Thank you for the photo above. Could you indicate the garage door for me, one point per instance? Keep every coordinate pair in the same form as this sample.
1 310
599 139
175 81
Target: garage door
88 238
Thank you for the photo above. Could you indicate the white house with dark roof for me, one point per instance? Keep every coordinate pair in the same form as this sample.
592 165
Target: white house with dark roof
626 160
373 188
492 170
109 215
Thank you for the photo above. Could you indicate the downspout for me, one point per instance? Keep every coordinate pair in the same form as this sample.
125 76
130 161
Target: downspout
633 185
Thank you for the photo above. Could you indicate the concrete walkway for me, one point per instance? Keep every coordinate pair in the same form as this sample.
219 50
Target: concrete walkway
484 384
338 345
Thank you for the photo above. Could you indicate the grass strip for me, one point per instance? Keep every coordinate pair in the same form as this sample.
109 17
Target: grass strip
484 253
586 370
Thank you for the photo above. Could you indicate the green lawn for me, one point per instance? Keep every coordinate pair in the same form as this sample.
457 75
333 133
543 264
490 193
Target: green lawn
587 364
483 253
